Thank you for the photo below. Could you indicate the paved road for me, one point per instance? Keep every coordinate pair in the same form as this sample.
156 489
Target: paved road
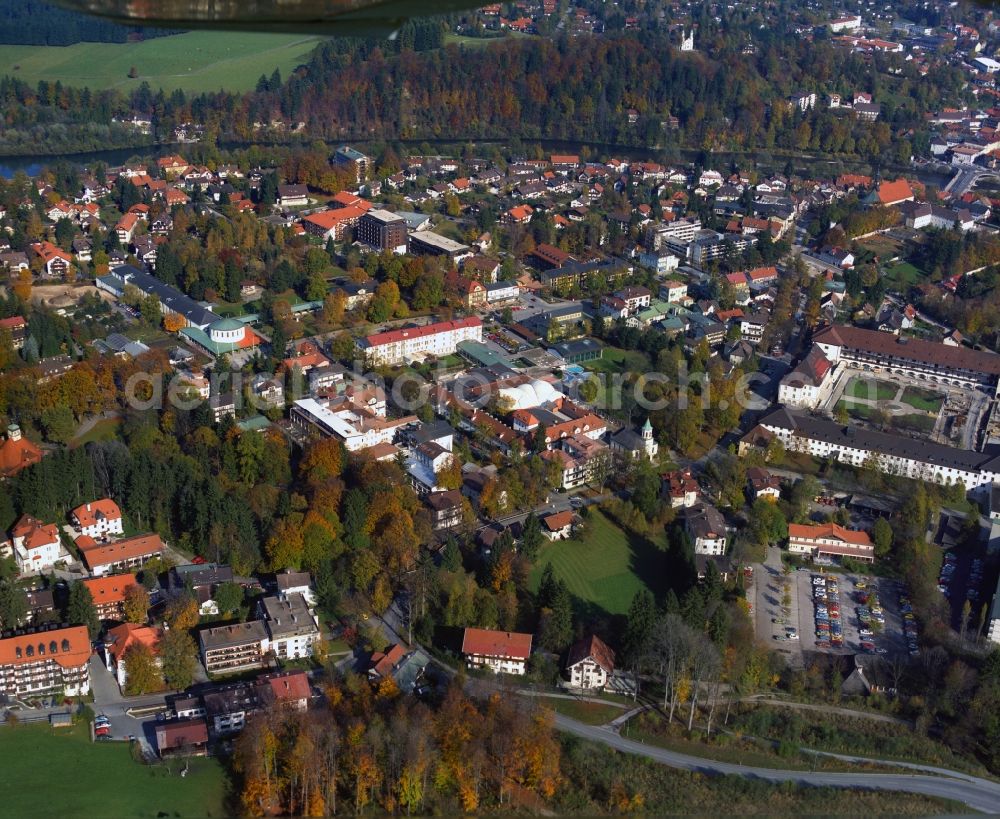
979 794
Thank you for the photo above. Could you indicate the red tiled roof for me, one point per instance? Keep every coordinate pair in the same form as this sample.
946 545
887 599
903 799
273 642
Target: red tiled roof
287 686
121 638
558 521
101 554
889 193
384 662
34 532
16 455
927 352
75 656
801 531
89 513
12 323
488 643
109 590
595 648
331 218
393 336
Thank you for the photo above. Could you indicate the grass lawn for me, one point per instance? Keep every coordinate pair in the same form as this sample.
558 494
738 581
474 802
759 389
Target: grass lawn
617 360
592 713
195 61
61 774
881 246
914 421
862 411
904 274
104 430
603 571
228 309
864 387
921 399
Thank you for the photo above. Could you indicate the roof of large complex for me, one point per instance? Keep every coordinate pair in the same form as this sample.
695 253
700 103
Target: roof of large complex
169 296
914 349
830 531
886 443
69 647
409 333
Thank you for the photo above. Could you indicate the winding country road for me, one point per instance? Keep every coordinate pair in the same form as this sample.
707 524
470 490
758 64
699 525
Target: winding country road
979 794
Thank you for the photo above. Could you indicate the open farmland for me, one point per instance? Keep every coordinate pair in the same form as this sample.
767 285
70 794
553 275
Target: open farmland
194 62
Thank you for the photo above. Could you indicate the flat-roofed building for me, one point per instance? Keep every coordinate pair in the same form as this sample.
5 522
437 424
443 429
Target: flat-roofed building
232 648
429 243
382 230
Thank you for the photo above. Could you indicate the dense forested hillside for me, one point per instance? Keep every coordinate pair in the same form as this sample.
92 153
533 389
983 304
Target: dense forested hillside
28 22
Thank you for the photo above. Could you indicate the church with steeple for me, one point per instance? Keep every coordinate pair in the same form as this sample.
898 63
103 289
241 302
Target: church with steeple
633 445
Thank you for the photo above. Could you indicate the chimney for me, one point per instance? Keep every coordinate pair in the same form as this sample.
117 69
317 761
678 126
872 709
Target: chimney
88 507
14 432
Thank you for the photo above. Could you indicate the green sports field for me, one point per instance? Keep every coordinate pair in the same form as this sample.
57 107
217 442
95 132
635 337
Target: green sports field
195 61
604 569
60 773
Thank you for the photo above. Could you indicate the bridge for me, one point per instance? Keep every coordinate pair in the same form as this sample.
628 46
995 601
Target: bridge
967 178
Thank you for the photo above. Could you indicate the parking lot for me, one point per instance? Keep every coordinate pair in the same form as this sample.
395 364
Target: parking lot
842 605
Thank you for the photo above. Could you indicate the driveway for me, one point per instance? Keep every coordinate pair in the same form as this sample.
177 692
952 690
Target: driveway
108 700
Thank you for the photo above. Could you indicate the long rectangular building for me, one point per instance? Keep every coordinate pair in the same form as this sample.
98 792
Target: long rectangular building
830 540
47 659
893 454
931 361
409 343
172 301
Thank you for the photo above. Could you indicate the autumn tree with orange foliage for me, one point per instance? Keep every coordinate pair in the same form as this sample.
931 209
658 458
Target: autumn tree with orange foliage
384 751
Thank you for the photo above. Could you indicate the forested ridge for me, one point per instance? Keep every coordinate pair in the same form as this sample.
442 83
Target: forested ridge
580 88
28 22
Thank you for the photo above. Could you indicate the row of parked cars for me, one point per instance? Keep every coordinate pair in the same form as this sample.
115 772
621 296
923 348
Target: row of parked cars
826 600
871 618
910 630
102 727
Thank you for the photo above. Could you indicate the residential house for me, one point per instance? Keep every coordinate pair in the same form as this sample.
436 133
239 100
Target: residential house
108 594
762 484
446 508
681 488
118 555
293 196
55 262
188 737
706 527
558 526
36 545
590 663
291 583
291 628
829 540
202 580
504 652
121 639
98 519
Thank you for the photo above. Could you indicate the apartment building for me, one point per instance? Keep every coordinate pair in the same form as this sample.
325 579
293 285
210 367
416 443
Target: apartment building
118 555
46 659
227 649
414 343
356 427
291 628
891 453
382 230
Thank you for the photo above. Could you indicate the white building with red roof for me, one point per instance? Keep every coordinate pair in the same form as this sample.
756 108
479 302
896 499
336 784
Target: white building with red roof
590 663
505 652
830 540
36 545
98 518
415 343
